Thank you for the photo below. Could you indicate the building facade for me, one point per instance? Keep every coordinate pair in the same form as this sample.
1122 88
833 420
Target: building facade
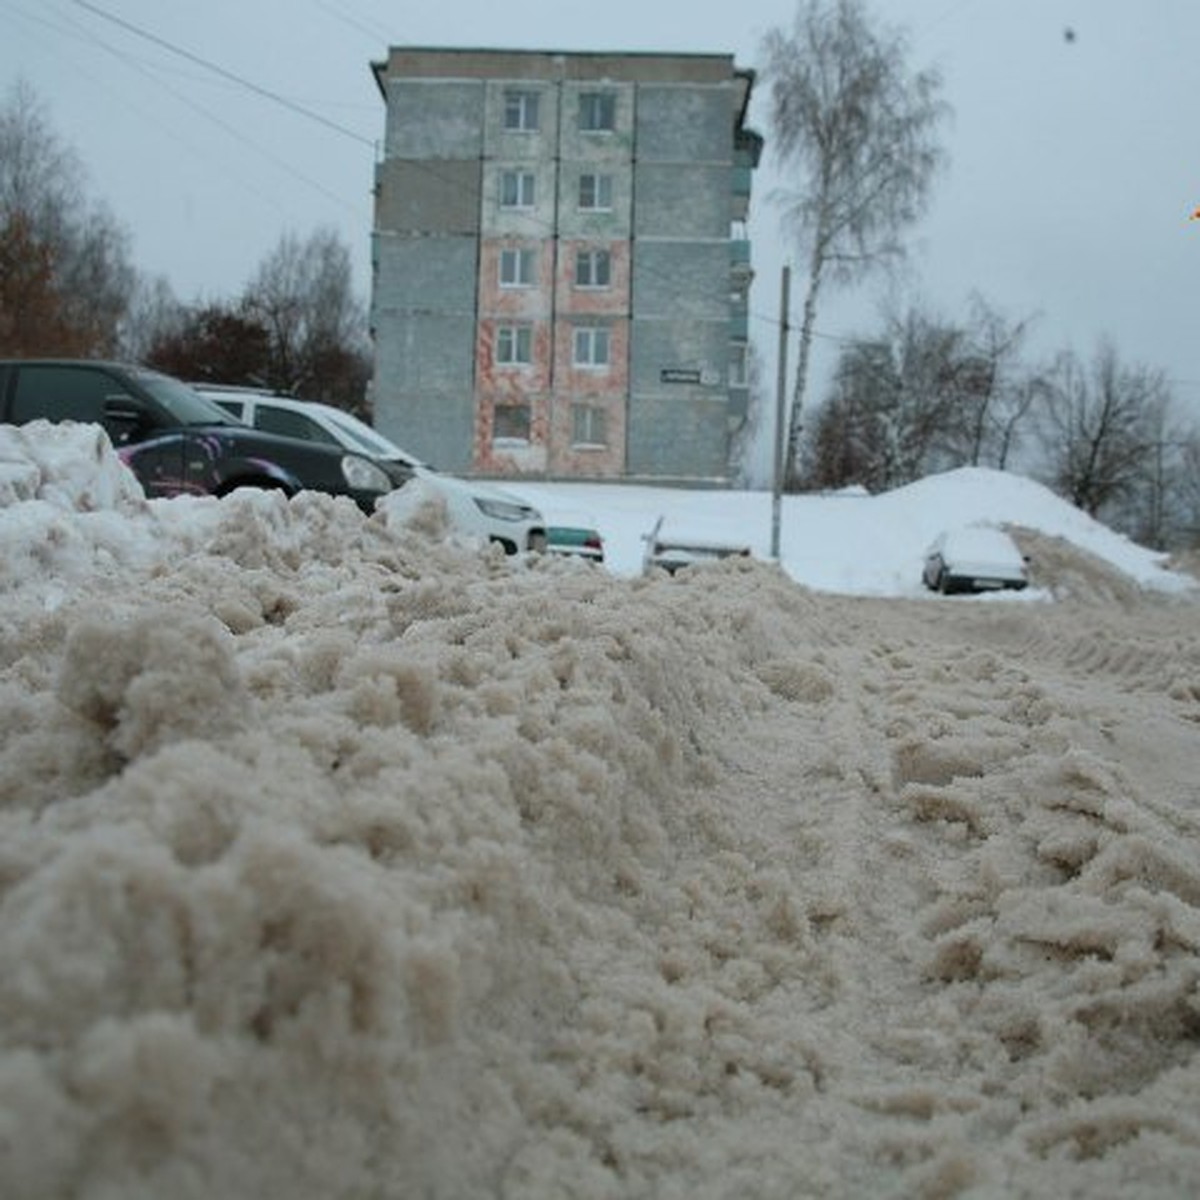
561 275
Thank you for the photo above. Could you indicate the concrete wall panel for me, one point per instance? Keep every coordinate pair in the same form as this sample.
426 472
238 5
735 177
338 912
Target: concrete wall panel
682 201
435 119
684 124
428 197
681 280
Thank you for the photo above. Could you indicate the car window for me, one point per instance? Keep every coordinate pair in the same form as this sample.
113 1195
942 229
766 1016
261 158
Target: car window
184 403
63 393
235 408
291 424
366 438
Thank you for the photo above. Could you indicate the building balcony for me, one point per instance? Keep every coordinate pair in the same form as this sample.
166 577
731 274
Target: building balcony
741 272
741 193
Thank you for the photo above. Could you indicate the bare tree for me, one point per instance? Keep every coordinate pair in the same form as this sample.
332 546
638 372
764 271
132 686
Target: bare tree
996 392
1160 510
152 314
1187 496
859 132
1098 426
214 344
843 444
303 295
66 273
896 410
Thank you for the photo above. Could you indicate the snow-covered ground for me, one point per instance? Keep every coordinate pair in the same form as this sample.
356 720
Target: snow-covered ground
847 542
339 859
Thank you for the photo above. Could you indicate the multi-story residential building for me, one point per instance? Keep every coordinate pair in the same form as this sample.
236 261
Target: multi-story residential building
560 268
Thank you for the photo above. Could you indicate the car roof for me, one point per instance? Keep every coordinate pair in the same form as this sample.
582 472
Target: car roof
977 540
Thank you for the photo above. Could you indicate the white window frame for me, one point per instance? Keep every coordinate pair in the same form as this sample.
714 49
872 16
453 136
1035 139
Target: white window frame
521 103
518 267
597 184
593 269
517 189
509 439
591 346
514 346
589 426
597 111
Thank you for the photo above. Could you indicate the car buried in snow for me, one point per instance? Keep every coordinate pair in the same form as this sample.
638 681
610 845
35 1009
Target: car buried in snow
672 552
575 541
974 558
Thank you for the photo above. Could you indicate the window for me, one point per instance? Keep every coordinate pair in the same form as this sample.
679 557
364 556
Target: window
593 269
516 268
591 346
511 423
291 424
737 364
514 345
588 425
516 189
597 112
595 192
521 111
63 394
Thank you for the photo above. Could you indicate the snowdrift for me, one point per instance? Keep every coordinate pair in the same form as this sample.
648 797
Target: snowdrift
337 860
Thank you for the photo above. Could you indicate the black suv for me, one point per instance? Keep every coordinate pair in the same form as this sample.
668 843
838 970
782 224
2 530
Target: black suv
179 442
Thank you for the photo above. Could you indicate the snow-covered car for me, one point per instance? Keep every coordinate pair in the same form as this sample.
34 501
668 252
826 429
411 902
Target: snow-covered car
975 558
476 508
673 552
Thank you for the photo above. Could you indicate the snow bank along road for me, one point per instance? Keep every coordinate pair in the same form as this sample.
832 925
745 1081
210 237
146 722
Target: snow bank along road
340 861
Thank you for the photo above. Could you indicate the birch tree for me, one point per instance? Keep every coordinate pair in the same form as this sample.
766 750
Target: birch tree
856 131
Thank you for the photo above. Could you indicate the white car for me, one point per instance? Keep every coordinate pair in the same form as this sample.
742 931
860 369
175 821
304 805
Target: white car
475 508
975 558
672 553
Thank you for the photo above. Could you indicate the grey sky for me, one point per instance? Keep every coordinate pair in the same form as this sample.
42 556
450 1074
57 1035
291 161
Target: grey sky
1073 164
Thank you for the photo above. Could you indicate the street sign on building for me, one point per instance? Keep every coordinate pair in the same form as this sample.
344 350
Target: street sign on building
679 375
705 377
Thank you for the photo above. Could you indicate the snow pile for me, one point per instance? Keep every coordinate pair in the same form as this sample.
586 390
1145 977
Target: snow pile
851 542
337 860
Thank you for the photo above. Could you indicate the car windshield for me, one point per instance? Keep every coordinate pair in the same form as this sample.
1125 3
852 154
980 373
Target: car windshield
365 438
184 403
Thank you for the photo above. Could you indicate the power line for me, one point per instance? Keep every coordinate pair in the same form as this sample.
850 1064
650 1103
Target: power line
73 29
352 22
208 65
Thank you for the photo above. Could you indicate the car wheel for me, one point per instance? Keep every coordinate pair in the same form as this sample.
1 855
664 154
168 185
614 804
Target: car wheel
944 583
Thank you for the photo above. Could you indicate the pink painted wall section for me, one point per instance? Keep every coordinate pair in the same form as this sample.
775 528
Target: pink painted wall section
613 300
551 385
592 462
528 301
492 376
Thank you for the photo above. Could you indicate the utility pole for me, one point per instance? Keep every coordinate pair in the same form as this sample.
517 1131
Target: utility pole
780 412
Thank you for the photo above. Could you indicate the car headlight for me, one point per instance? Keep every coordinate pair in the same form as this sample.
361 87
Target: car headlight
502 510
363 475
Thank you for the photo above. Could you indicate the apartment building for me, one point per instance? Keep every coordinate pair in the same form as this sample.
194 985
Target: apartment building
561 274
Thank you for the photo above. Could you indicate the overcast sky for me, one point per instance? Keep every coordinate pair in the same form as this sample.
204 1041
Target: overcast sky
1074 162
